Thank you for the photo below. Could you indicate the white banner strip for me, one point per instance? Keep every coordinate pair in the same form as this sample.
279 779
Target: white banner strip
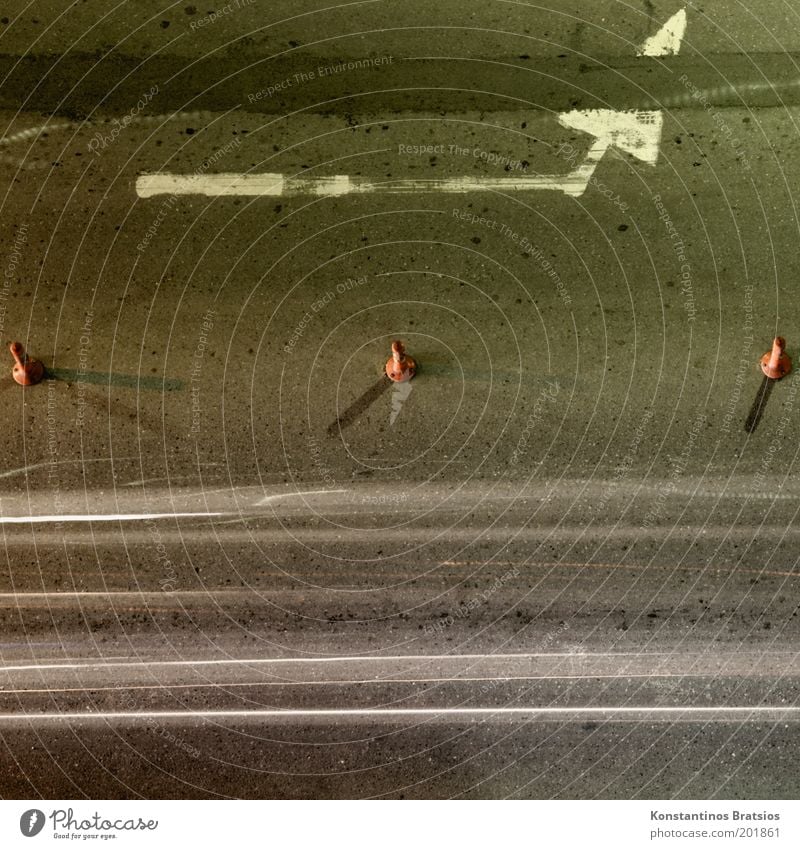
634 824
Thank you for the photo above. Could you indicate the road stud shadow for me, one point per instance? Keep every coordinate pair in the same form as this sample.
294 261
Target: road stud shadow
360 405
760 403
122 381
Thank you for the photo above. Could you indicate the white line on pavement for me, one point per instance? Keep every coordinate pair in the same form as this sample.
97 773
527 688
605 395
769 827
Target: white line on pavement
99 517
573 183
727 710
270 498
346 659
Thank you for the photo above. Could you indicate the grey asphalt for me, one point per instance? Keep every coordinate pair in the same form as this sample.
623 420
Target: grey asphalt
240 563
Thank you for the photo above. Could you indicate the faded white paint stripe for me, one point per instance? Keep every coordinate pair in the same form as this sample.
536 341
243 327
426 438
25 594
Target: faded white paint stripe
23 470
99 517
276 185
211 185
269 499
132 595
705 710
344 659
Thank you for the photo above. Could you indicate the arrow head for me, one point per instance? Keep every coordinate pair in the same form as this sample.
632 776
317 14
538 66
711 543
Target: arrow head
667 41
637 131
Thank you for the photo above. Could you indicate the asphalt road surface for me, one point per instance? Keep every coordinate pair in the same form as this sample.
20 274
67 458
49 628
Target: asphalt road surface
239 560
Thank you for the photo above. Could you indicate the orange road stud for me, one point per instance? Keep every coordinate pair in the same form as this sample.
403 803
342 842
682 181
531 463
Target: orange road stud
776 363
400 367
26 371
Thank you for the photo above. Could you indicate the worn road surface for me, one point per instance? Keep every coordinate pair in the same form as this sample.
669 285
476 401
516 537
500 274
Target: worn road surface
239 561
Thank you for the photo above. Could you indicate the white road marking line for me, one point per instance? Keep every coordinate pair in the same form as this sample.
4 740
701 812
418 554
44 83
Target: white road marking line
270 498
345 659
35 132
667 41
381 712
23 470
134 595
99 517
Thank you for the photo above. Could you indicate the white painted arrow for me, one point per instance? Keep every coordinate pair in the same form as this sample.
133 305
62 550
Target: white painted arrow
636 131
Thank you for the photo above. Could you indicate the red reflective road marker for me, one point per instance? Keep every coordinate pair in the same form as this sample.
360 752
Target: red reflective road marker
776 363
26 371
400 367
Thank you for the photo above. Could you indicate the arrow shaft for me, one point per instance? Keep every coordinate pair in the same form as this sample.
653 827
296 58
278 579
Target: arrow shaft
277 185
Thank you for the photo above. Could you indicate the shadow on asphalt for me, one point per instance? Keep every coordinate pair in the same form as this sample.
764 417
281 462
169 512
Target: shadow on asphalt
757 410
362 403
125 381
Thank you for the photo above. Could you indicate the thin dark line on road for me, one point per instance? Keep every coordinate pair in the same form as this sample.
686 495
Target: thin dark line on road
360 405
366 682
757 410
46 599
